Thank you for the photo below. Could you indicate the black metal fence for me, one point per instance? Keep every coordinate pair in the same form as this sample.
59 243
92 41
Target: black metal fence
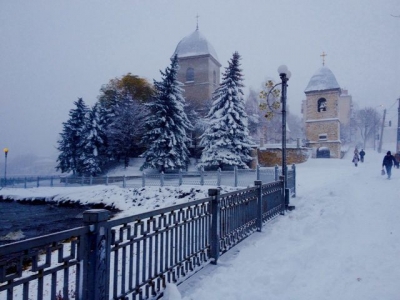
134 257
236 177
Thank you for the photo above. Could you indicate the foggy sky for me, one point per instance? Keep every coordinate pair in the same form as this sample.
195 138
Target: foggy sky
53 52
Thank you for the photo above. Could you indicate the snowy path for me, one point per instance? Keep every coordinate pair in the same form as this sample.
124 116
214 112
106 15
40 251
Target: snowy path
341 242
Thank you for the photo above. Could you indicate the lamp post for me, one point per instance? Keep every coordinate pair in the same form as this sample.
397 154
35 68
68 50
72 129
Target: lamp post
375 121
284 74
5 166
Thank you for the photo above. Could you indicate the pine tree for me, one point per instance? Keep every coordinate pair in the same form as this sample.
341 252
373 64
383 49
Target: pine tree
93 155
167 125
70 144
126 128
226 140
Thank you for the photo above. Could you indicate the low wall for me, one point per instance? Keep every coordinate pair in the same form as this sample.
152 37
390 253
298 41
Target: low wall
273 156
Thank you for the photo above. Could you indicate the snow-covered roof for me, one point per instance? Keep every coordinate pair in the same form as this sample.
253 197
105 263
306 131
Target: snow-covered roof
193 45
322 80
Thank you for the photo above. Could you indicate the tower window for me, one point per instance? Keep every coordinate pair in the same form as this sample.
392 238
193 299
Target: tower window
321 104
190 74
215 77
323 137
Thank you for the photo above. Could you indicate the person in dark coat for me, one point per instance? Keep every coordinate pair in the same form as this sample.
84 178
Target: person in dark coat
388 162
362 153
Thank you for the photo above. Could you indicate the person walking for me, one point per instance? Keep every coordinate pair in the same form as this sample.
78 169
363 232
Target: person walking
355 159
356 151
362 153
388 162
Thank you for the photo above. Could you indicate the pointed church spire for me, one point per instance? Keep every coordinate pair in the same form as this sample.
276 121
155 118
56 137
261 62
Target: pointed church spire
197 23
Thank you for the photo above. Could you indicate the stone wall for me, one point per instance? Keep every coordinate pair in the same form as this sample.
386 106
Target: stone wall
200 90
272 157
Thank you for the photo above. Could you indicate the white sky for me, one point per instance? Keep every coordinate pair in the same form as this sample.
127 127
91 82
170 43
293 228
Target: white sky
53 52
341 242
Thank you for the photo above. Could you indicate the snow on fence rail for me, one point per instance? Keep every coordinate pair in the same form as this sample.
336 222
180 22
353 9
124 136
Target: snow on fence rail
135 256
236 177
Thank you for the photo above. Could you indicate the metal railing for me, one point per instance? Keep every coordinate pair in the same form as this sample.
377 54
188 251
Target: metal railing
135 256
236 177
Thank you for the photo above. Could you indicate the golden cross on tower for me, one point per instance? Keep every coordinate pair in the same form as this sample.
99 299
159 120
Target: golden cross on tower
197 25
323 57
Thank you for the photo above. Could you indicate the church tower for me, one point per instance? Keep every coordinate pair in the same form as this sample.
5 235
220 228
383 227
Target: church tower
199 70
321 114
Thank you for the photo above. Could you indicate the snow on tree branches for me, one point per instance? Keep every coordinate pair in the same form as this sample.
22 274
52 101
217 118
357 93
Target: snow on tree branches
167 125
226 140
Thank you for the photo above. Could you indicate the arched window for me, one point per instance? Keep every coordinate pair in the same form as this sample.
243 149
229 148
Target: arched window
190 74
321 104
215 77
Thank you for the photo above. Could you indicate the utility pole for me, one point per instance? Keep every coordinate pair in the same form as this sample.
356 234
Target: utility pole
398 128
381 136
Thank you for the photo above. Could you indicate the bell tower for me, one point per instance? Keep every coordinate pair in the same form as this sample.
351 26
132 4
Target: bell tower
199 70
321 113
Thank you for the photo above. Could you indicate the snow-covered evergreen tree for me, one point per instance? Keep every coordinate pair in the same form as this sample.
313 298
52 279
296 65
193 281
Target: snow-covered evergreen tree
226 140
93 155
70 144
126 128
167 125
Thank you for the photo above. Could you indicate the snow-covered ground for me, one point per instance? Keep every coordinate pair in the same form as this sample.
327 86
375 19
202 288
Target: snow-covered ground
341 242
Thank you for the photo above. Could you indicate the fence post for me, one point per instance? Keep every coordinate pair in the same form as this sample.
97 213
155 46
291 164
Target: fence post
91 180
282 179
258 185
66 180
215 224
143 179
235 172
83 180
258 172
37 182
294 180
25 183
276 173
219 177
124 182
180 177
107 179
96 276
162 179
202 176
51 181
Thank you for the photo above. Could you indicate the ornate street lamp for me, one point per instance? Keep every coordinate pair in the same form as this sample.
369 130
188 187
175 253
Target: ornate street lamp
284 74
5 166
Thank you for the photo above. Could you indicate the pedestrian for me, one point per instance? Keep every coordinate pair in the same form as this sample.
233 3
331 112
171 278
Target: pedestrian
388 162
362 153
356 151
396 160
355 159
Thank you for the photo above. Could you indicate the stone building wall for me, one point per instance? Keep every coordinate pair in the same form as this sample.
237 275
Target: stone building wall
323 127
312 112
273 157
200 90
331 128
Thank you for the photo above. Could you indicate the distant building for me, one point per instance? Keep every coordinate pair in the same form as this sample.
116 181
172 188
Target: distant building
199 70
326 110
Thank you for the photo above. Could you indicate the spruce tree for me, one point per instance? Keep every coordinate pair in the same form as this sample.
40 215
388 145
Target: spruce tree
167 125
70 144
226 140
93 157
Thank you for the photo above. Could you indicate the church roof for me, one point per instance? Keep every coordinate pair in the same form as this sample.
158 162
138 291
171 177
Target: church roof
195 44
322 80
